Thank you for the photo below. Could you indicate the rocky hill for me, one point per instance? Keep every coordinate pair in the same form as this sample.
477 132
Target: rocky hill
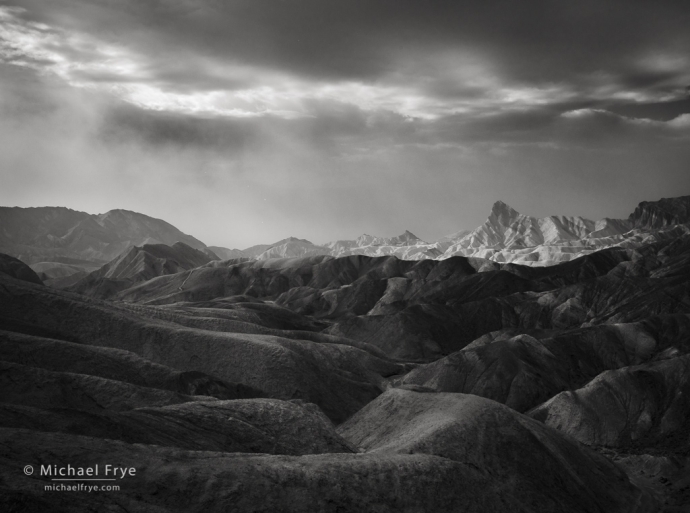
60 242
660 214
140 264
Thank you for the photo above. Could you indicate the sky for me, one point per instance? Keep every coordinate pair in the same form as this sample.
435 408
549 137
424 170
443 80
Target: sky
244 122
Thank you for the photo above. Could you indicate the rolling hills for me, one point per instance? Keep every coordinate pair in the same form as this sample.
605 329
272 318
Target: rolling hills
361 382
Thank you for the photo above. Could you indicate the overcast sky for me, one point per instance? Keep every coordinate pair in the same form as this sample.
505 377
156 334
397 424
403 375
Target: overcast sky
247 121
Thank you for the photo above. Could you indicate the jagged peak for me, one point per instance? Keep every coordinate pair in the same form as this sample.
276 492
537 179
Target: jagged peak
502 206
408 234
503 213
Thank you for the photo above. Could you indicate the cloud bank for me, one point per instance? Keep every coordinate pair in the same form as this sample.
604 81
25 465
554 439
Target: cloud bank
244 122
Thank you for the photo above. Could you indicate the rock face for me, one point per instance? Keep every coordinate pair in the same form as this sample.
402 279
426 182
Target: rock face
663 213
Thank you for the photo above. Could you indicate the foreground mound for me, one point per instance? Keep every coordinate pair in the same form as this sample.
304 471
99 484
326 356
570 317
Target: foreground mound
168 479
541 469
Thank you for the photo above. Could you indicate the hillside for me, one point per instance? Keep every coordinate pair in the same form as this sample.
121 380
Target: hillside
257 378
339 382
140 264
61 242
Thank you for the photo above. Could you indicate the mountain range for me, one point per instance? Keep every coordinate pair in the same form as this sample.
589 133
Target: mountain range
508 236
63 245
342 381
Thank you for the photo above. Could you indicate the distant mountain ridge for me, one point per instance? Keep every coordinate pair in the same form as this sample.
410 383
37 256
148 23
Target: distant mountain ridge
41 232
406 246
64 245
60 242
506 236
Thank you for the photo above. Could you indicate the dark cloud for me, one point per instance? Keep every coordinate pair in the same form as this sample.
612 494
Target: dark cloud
125 124
660 111
532 42
246 121
333 128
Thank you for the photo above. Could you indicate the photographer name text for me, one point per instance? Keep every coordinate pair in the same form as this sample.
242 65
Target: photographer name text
106 471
